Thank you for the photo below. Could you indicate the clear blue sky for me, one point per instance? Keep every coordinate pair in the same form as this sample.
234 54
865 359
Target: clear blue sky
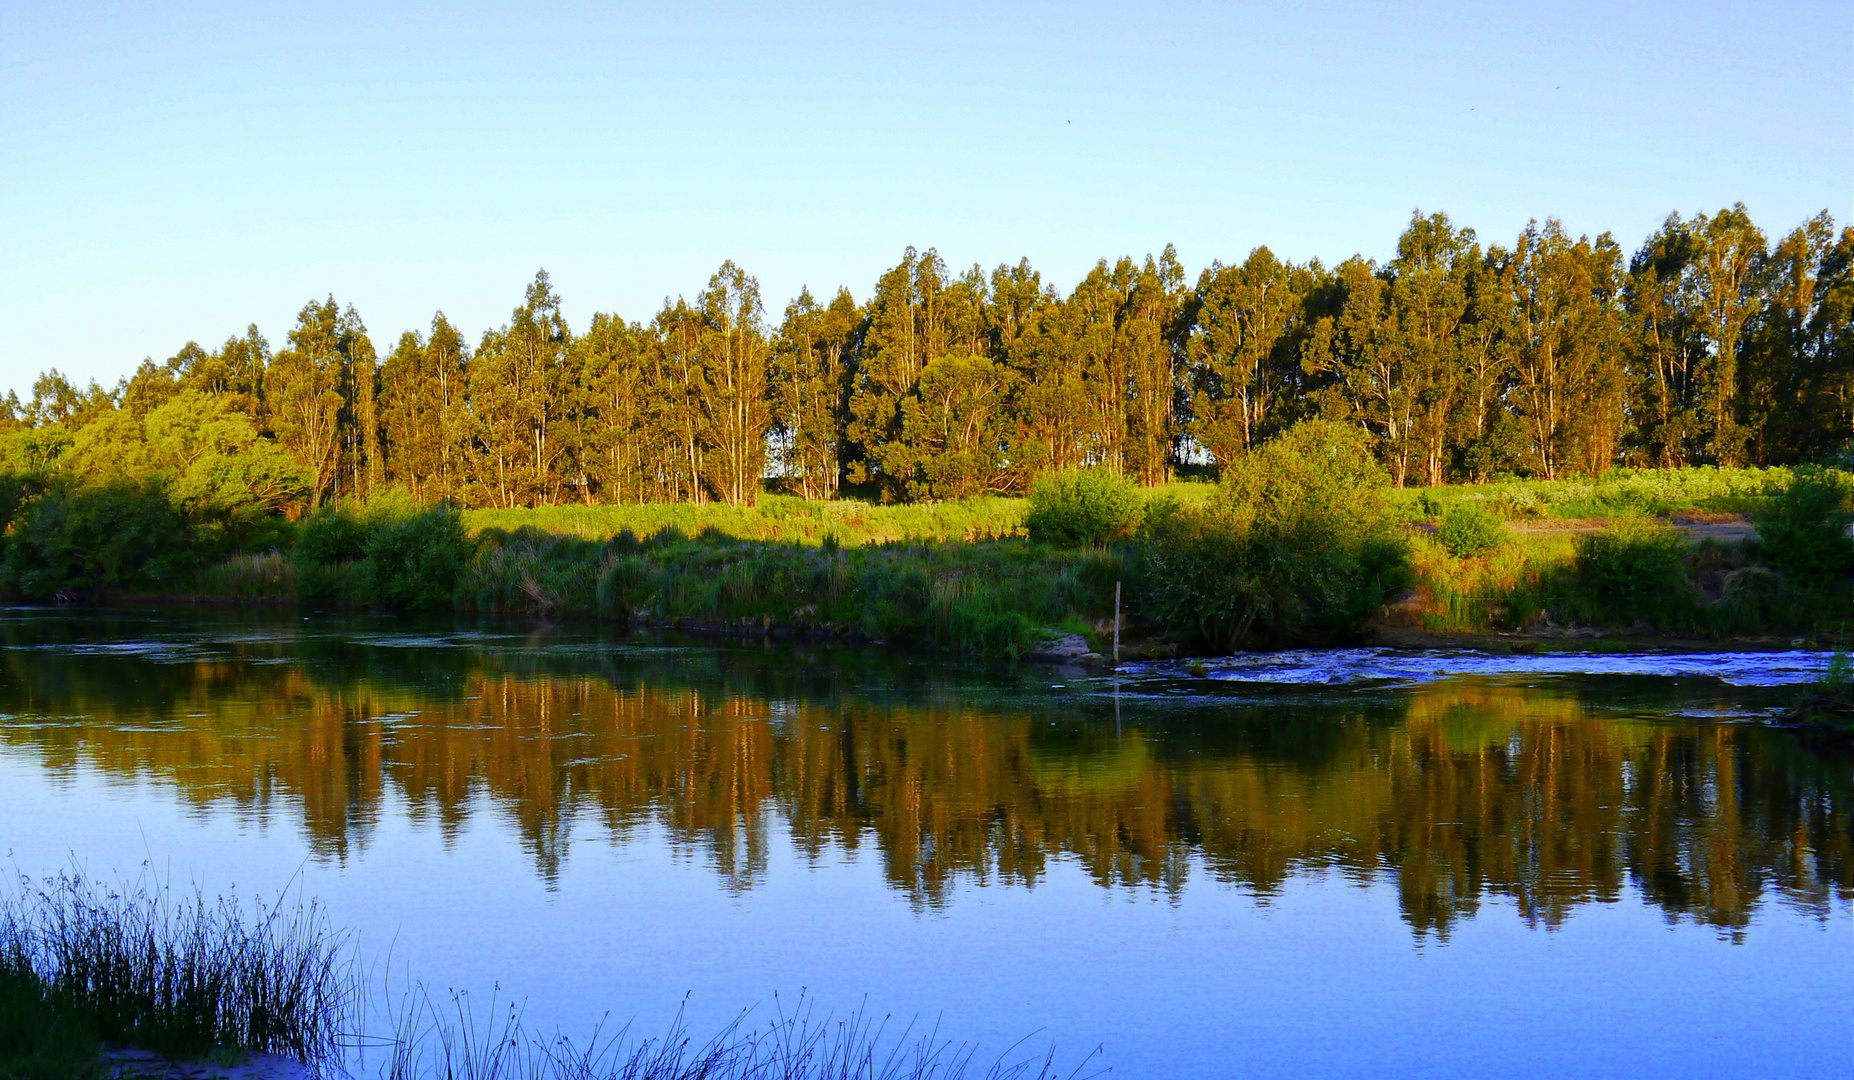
166 176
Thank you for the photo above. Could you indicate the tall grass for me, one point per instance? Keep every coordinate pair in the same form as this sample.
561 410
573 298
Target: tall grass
1654 492
981 598
1635 574
86 970
141 966
776 518
250 578
451 1040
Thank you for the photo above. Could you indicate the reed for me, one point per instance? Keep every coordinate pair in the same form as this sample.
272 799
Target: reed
450 1039
141 966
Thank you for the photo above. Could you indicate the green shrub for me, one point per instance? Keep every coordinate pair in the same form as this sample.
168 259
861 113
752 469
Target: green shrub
81 541
331 533
1634 570
415 564
1468 530
1299 544
1088 506
1804 527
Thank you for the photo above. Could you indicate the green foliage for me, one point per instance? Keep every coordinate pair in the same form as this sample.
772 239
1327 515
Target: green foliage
1087 506
83 542
224 478
331 533
1805 527
775 518
1634 569
1653 492
414 563
982 599
1298 545
330 543
1468 530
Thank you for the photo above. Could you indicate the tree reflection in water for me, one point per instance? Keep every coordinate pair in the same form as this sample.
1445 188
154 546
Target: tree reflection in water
1553 797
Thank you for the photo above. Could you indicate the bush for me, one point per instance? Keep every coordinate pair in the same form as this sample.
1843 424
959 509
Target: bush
1805 528
414 564
1635 569
1088 506
1468 530
1299 544
331 533
76 542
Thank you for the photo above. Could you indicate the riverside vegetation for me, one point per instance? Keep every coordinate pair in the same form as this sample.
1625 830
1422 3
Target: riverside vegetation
964 461
1301 540
99 982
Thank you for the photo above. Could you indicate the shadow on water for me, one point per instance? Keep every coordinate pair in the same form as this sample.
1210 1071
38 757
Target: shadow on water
1551 793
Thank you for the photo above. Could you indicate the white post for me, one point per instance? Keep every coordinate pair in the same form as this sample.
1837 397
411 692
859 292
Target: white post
1116 622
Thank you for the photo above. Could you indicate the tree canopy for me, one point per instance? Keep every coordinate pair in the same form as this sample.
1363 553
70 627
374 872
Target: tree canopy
1455 360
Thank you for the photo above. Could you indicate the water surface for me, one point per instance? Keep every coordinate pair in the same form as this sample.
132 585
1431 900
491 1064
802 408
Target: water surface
1408 864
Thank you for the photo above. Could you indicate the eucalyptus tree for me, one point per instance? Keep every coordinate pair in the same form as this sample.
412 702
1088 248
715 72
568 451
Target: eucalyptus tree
517 397
1730 253
311 390
56 401
613 366
235 372
1081 338
918 313
1146 339
1240 331
1565 347
677 378
956 428
424 417
1397 351
1034 335
153 384
736 409
1666 349
812 358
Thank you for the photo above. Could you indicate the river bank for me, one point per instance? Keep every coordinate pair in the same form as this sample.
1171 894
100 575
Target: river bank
1014 599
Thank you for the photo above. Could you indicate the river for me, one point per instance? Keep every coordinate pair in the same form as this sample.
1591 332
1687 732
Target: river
1296 865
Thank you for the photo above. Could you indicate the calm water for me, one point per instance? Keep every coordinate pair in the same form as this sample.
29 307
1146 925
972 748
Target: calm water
1354 864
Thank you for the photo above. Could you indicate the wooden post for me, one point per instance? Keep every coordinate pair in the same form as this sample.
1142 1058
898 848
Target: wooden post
1116 622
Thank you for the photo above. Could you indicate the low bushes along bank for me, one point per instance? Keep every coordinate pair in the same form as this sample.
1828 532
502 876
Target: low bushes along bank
1301 541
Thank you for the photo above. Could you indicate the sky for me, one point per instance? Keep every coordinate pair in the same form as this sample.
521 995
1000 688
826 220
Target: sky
170 176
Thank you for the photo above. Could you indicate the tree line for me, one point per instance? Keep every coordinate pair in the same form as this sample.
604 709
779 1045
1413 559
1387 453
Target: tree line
1556 355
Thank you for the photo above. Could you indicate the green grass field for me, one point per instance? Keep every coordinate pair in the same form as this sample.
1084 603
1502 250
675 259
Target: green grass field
855 523
1655 492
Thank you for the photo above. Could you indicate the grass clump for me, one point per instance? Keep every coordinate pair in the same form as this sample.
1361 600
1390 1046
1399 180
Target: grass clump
775 519
1700 489
1086 506
83 967
1824 709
